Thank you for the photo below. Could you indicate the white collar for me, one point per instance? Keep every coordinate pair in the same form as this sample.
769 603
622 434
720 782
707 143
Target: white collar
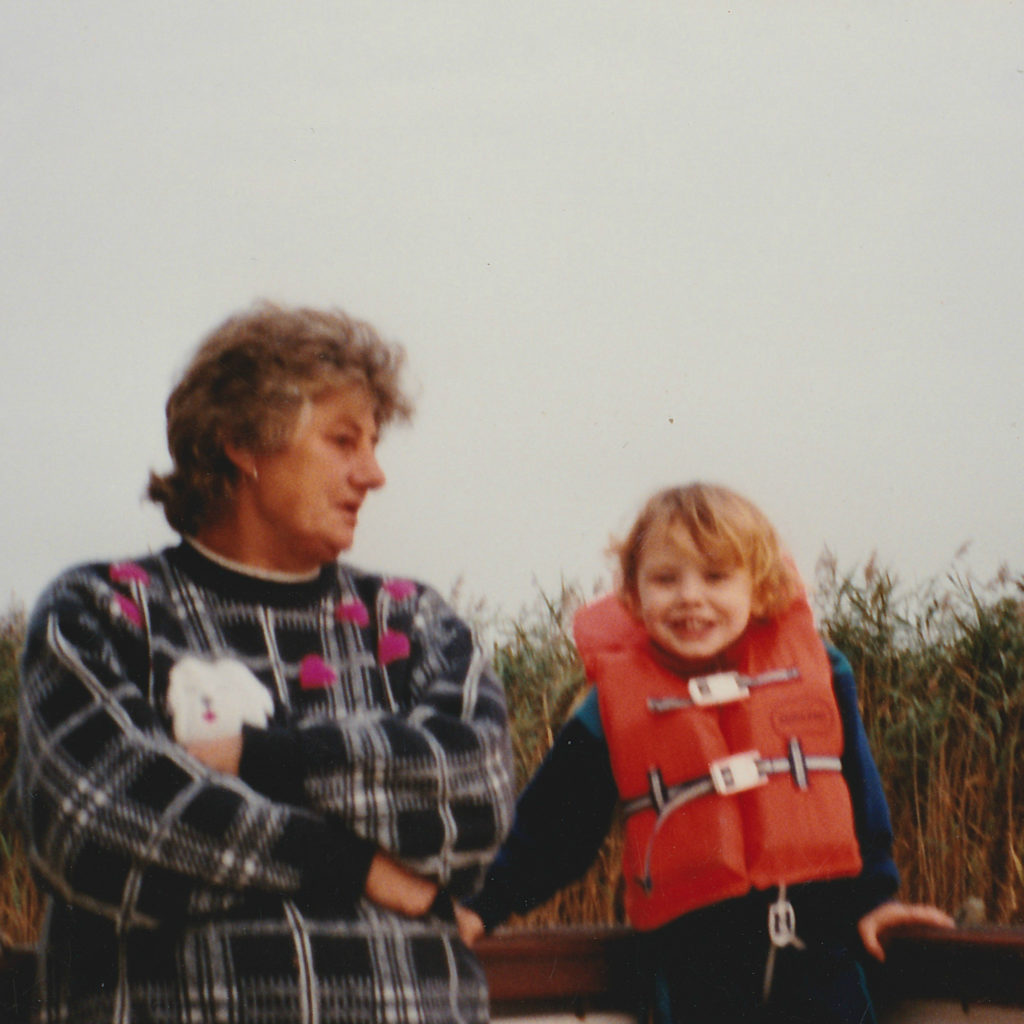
273 575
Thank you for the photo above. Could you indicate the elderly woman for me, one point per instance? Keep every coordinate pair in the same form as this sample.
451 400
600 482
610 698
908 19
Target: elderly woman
251 775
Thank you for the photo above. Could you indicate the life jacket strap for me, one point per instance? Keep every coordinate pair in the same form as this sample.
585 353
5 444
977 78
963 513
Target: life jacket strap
656 786
726 776
730 775
719 688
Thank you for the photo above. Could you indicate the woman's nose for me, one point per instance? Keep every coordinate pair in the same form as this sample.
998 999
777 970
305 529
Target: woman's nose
368 471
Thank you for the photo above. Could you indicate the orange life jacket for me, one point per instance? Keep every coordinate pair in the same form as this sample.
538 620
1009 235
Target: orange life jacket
721 797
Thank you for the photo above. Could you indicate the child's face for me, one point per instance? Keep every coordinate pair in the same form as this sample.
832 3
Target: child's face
692 607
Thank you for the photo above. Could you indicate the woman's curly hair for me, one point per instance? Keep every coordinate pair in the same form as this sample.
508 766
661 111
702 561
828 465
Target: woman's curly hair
245 387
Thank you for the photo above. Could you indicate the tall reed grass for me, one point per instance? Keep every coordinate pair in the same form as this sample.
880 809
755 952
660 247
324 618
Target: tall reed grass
544 681
19 900
940 673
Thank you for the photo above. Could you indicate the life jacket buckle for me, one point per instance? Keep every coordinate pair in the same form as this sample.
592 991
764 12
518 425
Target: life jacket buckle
657 790
782 932
718 688
782 923
798 764
737 773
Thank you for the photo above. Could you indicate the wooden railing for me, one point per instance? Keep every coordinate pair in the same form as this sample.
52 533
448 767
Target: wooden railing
562 969
973 966
581 970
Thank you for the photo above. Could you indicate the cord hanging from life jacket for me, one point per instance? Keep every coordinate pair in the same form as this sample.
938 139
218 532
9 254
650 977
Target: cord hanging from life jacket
726 777
782 932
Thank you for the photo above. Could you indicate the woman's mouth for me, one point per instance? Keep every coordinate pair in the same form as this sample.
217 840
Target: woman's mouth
350 510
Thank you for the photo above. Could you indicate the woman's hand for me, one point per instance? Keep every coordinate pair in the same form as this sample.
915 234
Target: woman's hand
390 885
222 755
889 915
471 927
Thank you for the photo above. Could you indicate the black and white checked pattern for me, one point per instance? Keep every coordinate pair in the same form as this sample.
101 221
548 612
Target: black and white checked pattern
181 896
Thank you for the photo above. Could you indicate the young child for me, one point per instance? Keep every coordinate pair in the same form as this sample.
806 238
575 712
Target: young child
757 855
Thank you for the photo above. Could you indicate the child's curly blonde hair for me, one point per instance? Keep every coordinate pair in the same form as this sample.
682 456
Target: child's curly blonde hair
727 529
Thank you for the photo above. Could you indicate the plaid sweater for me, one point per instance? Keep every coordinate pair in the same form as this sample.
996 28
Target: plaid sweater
178 895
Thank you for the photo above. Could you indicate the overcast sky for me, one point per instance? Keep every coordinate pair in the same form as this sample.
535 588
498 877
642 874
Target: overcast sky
625 244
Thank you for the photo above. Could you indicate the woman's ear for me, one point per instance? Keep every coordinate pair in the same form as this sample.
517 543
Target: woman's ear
242 459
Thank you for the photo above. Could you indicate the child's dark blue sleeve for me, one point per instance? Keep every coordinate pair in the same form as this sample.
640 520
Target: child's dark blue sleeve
879 878
562 818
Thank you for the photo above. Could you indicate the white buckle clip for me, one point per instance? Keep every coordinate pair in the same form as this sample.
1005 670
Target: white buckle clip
718 688
782 923
737 773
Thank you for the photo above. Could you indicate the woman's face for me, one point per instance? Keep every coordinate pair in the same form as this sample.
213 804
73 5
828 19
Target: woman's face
298 508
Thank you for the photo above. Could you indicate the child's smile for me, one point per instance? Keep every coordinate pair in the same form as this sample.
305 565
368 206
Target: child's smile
692 607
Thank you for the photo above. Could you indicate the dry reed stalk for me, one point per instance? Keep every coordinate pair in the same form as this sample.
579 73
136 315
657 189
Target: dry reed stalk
20 904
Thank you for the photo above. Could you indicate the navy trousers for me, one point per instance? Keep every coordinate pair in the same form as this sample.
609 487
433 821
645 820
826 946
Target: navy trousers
709 968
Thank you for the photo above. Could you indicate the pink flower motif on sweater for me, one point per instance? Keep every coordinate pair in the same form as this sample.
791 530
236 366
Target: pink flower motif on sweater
315 673
400 589
127 608
128 572
392 646
352 611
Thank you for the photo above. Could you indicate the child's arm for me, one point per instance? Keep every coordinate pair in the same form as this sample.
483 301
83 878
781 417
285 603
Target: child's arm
562 818
879 878
874 924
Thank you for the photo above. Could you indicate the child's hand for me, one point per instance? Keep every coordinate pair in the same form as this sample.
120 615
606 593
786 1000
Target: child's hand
471 927
873 925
